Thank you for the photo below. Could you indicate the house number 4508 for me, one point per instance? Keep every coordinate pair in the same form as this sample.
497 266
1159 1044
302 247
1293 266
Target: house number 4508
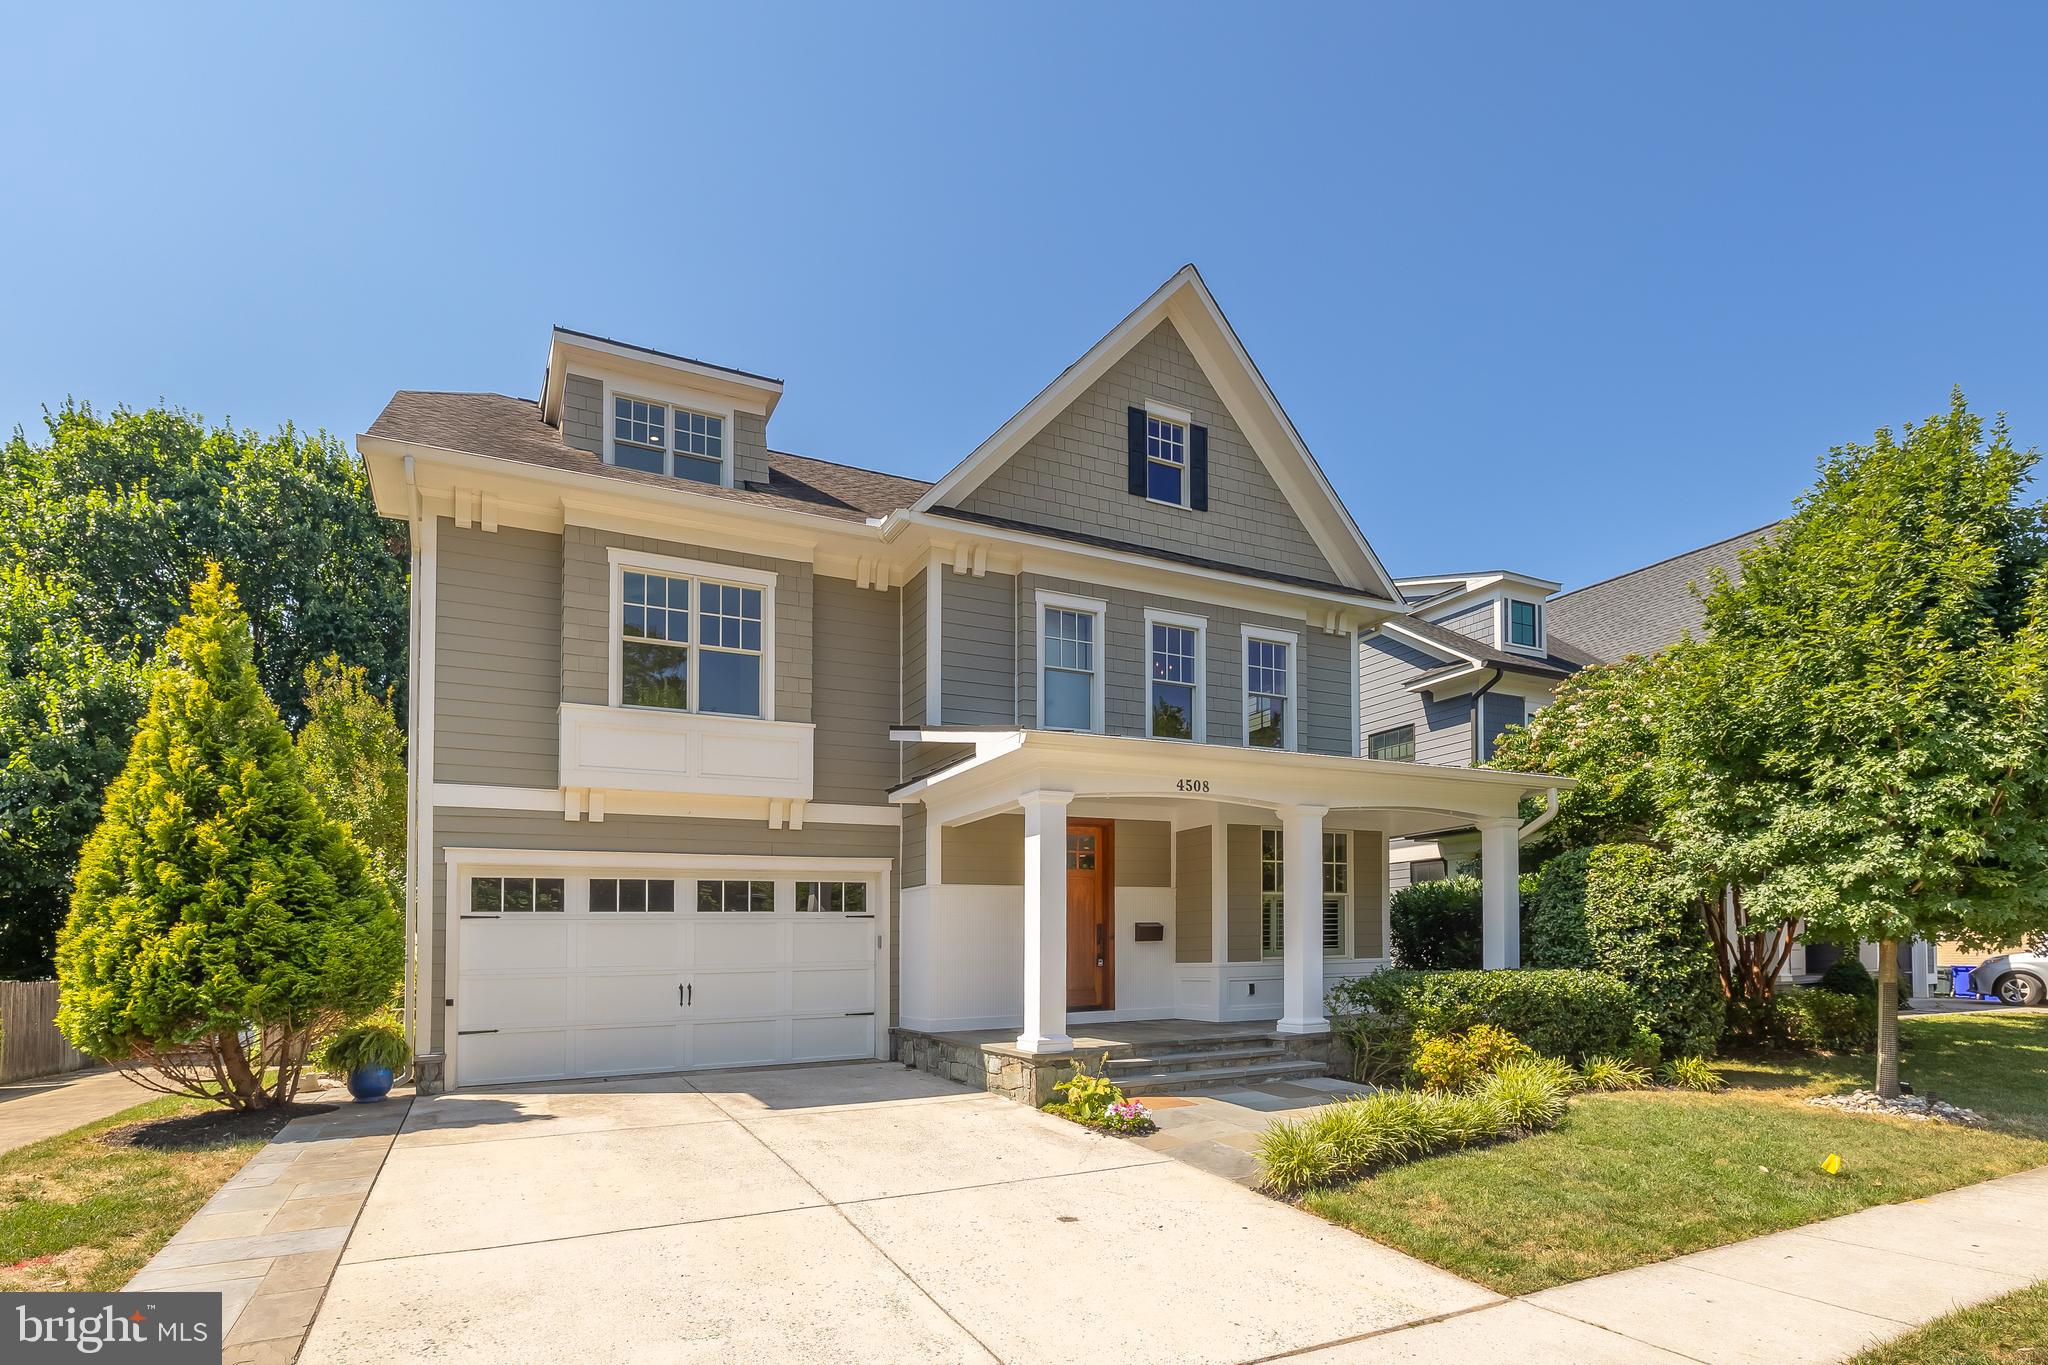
1192 784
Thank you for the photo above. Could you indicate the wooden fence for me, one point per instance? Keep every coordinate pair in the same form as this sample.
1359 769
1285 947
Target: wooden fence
29 1042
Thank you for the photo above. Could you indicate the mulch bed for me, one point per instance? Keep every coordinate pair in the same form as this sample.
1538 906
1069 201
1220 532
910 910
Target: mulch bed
213 1128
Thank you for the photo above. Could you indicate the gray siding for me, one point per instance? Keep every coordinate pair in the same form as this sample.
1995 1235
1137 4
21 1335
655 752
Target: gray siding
1475 621
854 692
1386 668
913 624
1192 909
497 673
586 615
986 853
911 860
749 449
1144 853
1368 892
978 649
583 414
457 828
1323 687
1241 892
1072 475
1497 712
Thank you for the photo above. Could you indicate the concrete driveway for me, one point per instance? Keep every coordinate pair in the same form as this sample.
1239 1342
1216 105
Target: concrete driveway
856 1212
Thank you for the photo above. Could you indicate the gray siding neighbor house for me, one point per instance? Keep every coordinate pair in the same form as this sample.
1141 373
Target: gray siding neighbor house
728 756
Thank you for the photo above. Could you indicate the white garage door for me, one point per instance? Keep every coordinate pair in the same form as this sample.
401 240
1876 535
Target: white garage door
605 972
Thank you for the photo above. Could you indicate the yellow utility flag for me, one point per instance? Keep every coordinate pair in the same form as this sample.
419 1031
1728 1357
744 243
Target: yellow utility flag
1833 1165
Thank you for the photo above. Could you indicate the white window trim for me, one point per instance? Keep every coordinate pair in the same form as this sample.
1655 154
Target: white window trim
671 398
1246 634
1344 916
1506 619
1342 951
621 559
1200 626
1068 602
1166 412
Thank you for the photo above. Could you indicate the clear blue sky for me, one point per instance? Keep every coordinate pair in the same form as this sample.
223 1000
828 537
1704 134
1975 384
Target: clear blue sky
1615 274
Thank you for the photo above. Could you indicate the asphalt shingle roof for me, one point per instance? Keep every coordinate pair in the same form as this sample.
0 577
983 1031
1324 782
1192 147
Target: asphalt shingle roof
503 428
1649 608
1563 659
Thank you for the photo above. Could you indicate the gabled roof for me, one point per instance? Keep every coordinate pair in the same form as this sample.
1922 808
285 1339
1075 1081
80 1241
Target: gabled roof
1646 609
1186 301
1462 653
495 426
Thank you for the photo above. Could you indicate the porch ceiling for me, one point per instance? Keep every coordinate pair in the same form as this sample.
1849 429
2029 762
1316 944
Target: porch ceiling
1403 797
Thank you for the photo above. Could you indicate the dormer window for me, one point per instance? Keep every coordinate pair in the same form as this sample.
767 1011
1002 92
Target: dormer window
1166 460
1525 624
657 438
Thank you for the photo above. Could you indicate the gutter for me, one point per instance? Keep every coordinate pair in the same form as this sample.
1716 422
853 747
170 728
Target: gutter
1478 697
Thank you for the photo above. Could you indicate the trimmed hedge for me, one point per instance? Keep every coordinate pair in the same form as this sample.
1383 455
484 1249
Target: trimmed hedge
1554 915
1435 925
1575 1015
1644 929
1830 1020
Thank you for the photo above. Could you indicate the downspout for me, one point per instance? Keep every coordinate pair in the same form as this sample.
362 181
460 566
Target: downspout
410 1012
1549 814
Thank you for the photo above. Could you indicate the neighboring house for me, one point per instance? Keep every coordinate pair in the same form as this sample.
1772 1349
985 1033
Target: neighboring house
1484 651
724 755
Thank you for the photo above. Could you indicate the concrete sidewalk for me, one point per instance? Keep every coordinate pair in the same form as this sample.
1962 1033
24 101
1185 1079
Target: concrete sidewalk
1820 1293
48 1105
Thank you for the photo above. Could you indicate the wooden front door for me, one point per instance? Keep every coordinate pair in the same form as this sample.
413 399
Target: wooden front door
1091 914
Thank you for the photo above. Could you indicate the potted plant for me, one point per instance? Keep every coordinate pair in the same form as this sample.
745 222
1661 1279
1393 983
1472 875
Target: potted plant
367 1054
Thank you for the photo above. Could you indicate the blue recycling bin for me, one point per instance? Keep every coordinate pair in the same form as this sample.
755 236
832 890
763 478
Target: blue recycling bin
1959 984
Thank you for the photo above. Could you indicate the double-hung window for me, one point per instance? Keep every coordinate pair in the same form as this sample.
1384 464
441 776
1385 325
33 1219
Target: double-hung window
660 438
692 641
1166 460
1070 663
1273 884
1269 720
1525 624
1174 696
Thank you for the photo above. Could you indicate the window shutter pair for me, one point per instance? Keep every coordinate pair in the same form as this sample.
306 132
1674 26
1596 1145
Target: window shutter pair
1198 460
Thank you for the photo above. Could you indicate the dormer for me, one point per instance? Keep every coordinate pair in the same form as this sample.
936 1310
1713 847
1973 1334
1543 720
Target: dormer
1497 608
659 413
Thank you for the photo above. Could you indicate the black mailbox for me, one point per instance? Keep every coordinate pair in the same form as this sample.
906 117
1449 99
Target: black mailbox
1151 933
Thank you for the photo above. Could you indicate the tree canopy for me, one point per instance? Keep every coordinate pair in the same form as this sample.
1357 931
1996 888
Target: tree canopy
125 511
354 755
217 902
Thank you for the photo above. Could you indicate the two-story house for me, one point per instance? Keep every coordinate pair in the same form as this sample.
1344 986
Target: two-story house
723 755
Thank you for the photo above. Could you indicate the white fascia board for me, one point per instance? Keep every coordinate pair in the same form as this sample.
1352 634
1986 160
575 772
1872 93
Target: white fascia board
1455 684
755 393
1430 645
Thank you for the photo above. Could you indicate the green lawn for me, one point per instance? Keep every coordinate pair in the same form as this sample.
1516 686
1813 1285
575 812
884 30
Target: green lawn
76 1214
1628 1179
2007 1331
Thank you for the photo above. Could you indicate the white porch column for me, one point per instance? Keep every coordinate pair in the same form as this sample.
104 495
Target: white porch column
1500 914
1301 938
1045 923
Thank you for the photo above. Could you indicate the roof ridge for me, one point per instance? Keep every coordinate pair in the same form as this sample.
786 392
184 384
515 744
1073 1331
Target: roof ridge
1644 568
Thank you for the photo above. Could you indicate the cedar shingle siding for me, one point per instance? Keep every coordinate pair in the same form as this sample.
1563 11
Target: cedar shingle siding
1074 475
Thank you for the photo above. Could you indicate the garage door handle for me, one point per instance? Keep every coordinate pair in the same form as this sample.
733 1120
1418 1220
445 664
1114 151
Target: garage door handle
467 1032
683 994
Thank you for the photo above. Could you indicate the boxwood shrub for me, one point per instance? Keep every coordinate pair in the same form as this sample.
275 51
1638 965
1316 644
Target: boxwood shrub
1435 925
1575 1015
1554 914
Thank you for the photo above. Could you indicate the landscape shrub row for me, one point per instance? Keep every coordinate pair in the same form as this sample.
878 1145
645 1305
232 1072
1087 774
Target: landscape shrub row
1575 1015
1348 1139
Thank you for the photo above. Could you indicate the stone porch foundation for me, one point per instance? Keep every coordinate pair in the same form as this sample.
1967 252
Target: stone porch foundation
988 1059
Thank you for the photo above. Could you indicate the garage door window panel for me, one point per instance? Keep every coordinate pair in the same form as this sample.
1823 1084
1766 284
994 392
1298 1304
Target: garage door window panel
832 898
735 897
516 895
632 895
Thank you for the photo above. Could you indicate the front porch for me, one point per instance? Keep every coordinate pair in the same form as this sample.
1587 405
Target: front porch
1144 1056
1060 889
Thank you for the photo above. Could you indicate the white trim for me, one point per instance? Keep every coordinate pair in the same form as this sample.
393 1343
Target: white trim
934 644
1099 609
1271 634
1200 626
619 559
1507 625
573 860
475 796
426 586
762 392
1185 420
554 801
691 400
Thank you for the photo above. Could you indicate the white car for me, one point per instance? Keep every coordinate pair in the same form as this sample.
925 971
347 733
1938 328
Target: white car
2015 978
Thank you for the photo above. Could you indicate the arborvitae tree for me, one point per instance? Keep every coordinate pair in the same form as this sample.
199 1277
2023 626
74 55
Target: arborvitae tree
354 754
221 919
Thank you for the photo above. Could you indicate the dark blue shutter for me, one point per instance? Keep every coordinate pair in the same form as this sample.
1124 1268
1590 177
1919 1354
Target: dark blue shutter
1198 468
1137 451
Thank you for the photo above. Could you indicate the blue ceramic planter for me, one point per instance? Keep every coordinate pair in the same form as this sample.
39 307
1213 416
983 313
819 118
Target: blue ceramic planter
369 1083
